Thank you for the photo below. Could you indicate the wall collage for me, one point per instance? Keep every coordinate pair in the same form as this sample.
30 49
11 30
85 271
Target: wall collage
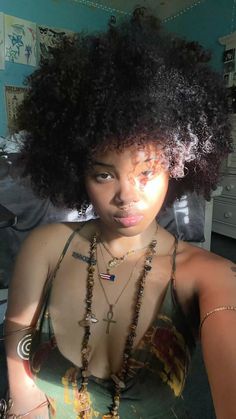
229 68
24 42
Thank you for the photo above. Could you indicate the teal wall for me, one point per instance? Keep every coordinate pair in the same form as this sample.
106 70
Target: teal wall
56 13
206 23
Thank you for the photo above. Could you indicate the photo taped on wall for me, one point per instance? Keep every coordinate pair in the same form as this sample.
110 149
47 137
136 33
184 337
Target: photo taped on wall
229 55
229 66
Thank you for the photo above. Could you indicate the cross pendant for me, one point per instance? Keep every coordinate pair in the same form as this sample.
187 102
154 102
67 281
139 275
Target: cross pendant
109 318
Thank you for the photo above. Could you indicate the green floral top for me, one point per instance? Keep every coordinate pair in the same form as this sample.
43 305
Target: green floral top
159 367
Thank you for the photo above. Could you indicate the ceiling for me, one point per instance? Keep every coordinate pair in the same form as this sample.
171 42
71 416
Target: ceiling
162 8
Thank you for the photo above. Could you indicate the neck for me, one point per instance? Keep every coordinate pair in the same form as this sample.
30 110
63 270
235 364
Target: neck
119 244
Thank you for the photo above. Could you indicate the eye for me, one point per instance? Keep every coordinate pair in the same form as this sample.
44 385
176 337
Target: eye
147 173
103 177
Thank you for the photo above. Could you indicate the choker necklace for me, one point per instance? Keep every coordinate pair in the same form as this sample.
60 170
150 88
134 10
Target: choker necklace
119 378
105 275
115 261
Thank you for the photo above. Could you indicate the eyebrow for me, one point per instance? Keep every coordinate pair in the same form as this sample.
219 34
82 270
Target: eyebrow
149 159
99 163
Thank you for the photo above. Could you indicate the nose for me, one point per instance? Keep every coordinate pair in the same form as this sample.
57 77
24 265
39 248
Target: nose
126 192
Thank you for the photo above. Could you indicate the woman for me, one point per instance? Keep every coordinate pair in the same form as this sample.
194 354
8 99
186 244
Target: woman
103 316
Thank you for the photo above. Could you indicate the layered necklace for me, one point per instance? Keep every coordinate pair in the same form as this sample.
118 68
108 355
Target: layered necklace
110 314
89 319
114 262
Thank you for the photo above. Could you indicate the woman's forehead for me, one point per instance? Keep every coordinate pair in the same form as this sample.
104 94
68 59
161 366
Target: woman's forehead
136 154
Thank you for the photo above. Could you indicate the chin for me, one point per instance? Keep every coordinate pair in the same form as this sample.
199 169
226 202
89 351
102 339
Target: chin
131 231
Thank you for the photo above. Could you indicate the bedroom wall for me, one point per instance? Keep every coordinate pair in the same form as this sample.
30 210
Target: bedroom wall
206 21
55 13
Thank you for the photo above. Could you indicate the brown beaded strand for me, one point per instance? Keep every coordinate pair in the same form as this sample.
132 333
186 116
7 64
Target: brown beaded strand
88 320
119 379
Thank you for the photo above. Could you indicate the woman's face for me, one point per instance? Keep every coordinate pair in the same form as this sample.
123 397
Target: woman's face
127 188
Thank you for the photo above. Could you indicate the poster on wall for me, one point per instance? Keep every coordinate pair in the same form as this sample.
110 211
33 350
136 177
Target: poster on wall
229 69
20 41
48 38
2 53
14 96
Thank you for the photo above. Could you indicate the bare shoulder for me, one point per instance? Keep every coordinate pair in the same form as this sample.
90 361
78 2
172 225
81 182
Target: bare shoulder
203 262
35 262
214 276
48 240
47 233
45 244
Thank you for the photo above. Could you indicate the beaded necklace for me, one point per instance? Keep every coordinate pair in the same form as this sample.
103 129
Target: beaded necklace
90 318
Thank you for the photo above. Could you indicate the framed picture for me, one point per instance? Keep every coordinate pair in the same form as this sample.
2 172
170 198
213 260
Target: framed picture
14 95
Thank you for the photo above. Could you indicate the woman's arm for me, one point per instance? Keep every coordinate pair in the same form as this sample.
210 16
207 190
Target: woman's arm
31 270
217 296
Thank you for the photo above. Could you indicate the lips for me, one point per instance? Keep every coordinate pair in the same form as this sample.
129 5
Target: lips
128 220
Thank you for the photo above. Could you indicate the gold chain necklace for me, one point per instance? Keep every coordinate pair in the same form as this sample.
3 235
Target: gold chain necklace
110 313
116 261
119 378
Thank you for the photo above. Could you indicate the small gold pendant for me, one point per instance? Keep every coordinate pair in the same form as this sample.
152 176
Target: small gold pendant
113 263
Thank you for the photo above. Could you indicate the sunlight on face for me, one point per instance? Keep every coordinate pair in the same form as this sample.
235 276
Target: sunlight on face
145 170
128 187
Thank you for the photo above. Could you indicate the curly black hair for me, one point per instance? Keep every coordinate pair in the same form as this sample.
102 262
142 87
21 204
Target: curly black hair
131 84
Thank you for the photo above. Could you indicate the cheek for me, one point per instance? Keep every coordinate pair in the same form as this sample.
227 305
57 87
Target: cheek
98 195
90 189
157 189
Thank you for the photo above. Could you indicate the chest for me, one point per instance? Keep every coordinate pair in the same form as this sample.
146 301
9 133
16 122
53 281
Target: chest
113 305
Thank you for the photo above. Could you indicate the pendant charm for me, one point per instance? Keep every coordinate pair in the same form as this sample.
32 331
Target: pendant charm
84 258
113 263
88 320
86 373
117 381
107 276
109 318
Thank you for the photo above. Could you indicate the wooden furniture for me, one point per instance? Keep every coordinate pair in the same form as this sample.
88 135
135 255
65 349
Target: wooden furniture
224 208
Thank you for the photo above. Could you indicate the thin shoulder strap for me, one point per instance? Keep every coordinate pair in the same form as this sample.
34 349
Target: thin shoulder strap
49 280
68 242
61 257
174 258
